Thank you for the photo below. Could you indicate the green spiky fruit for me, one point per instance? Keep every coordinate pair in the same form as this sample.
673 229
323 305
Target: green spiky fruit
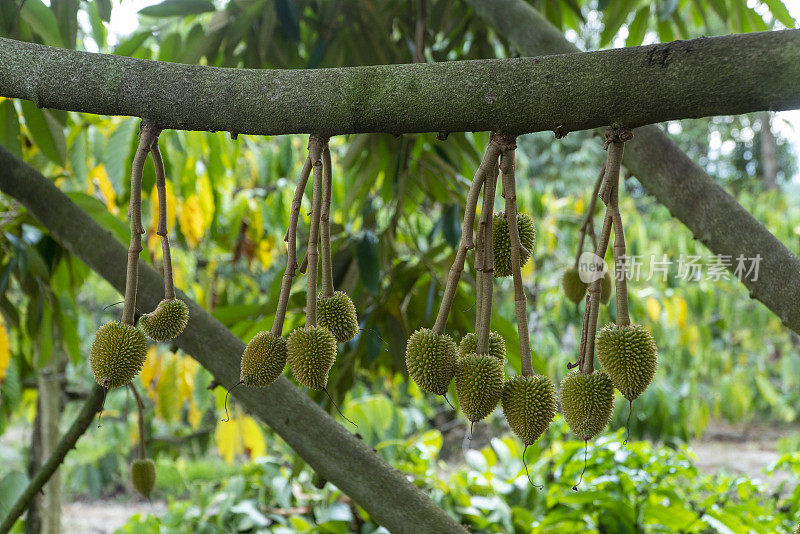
574 288
117 355
502 242
628 355
263 359
143 476
338 314
587 401
167 321
797 529
529 404
605 288
479 384
497 346
311 351
431 360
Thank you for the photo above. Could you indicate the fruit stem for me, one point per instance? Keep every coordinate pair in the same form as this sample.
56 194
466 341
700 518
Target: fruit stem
147 133
520 302
325 223
140 408
590 328
588 220
616 144
484 263
467 229
291 256
161 187
316 144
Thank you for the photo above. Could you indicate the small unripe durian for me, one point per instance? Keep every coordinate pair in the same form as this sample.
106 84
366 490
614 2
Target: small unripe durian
431 360
338 314
479 384
167 321
263 360
502 242
143 475
311 351
497 346
529 404
605 288
574 287
587 401
117 355
628 355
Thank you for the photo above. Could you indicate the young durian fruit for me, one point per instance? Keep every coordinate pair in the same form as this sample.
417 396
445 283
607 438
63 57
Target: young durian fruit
143 475
479 385
167 321
605 288
311 351
587 401
501 242
497 346
337 313
431 360
529 404
117 354
628 355
263 359
574 288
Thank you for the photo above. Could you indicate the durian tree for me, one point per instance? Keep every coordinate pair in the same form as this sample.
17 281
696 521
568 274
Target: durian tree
512 96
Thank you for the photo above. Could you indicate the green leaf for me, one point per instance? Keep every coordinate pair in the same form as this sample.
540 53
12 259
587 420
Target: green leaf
781 14
637 29
128 46
178 8
98 211
45 131
9 127
666 9
287 14
368 264
104 9
118 153
78 158
11 487
42 21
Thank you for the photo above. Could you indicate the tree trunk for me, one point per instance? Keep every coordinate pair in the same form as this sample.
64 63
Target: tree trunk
769 153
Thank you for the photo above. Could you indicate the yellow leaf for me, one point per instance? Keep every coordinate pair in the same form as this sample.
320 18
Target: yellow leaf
266 251
653 308
150 368
256 227
171 203
195 415
680 304
167 404
254 444
5 351
191 221
99 176
186 379
206 199
579 207
226 436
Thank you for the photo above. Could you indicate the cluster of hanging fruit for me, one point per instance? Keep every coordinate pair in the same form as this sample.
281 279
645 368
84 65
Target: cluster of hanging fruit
330 316
119 348
503 243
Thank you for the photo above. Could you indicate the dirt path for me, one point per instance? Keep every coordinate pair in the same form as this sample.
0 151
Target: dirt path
104 516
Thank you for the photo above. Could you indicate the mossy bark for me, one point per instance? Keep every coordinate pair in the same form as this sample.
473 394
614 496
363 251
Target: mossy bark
628 86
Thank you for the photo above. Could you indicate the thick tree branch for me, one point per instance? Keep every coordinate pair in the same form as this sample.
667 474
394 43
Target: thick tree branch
629 86
333 452
714 216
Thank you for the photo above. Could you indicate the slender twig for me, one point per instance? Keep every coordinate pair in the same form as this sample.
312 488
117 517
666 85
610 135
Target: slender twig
140 409
146 136
520 303
616 139
588 219
291 256
467 229
419 34
161 187
316 145
325 223
56 458
589 330
485 270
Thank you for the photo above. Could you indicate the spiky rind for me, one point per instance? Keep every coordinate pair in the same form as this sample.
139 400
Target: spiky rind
574 288
337 313
143 476
529 404
605 288
263 359
167 321
311 351
117 354
629 355
431 360
501 242
587 401
497 346
479 385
